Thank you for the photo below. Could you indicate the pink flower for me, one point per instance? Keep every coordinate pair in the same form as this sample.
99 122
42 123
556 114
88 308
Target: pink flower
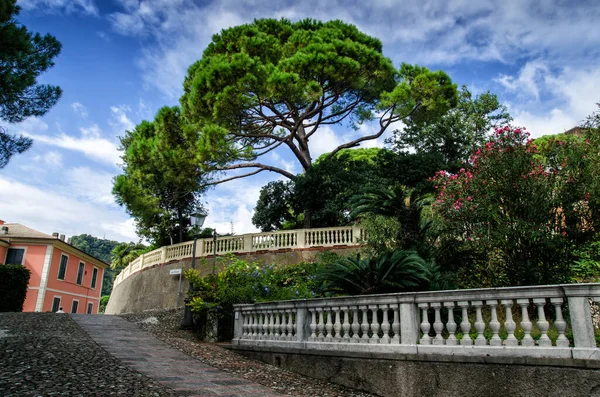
469 198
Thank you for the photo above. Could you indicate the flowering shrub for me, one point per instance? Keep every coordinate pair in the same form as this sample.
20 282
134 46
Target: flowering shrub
514 212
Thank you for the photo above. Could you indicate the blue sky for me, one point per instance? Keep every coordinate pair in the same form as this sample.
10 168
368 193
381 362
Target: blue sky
124 59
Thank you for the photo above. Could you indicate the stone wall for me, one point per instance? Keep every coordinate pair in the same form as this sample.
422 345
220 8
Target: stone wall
153 287
413 377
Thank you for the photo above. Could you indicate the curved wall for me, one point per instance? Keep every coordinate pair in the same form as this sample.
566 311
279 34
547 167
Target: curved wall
153 287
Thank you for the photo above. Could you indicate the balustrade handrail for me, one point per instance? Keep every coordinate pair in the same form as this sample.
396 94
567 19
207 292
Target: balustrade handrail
440 322
243 243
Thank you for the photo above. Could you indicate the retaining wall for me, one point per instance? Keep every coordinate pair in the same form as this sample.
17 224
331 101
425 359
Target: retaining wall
153 287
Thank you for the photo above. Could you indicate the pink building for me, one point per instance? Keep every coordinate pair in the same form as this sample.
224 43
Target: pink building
61 275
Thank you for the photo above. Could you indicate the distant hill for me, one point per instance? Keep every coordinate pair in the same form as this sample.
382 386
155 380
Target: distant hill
101 249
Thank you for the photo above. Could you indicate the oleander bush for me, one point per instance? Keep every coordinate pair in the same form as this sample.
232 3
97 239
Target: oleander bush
13 287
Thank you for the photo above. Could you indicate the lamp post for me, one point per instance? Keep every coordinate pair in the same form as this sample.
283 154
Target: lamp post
196 219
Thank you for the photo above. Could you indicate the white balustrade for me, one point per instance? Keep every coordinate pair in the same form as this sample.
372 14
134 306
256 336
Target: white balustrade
519 322
245 243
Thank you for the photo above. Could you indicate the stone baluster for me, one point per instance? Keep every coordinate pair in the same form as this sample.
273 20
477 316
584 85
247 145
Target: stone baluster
245 325
313 324
263 325
494 323
251 326
465 325
479 324
385 324
525 323
282 326
364 326
425 325
451 324
396 325
355 325
256 324
270 325
338 325
560 323
276 324
329 325
286 330
320 325
438 326
346 324
375 326
509 324
542 323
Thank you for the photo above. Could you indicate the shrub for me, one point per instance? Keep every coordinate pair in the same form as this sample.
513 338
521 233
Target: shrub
103 302
391 272
13 287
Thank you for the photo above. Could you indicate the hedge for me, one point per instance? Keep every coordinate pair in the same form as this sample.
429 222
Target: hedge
13 287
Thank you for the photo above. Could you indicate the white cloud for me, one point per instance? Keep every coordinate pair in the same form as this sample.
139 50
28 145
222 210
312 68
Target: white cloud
443 33
50 211
95 148
234 201
573 93
530 77
49 159
79 109
93 186
120 121
323 141
86 7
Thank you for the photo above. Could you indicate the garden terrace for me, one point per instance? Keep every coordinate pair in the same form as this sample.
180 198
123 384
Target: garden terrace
300 239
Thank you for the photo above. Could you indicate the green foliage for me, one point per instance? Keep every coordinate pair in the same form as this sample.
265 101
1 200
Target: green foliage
397 271
392 218
273 208
13 287
101 249
509 219
97 247
124 253
23 57
273 83
586 261
161 181
243 282
103 302
453 135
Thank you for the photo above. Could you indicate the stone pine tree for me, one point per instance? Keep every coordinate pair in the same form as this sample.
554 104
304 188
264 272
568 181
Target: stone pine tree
161 181
23 57
274 84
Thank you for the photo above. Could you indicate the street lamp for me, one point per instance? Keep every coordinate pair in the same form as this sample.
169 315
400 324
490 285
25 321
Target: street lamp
197 218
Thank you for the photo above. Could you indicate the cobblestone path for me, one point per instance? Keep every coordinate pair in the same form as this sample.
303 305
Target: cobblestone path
146 354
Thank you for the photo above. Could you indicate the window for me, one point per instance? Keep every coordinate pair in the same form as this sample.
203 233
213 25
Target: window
80 273
90 307
55 304
14 256
62 270
94 276
74 306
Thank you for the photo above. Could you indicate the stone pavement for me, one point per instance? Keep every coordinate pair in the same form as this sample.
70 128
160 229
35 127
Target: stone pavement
146 354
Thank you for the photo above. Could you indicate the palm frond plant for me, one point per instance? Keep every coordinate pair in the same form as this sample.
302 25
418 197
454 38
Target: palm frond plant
391 272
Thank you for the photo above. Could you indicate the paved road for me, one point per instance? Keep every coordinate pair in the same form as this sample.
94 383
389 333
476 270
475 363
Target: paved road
146 354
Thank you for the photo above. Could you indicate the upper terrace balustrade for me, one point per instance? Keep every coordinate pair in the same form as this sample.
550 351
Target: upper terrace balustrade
247 243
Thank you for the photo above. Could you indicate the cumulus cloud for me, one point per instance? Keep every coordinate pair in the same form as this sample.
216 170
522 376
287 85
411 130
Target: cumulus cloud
85 7
442 33
57 211
572 95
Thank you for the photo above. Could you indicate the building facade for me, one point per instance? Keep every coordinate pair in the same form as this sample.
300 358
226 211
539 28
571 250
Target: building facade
61 274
